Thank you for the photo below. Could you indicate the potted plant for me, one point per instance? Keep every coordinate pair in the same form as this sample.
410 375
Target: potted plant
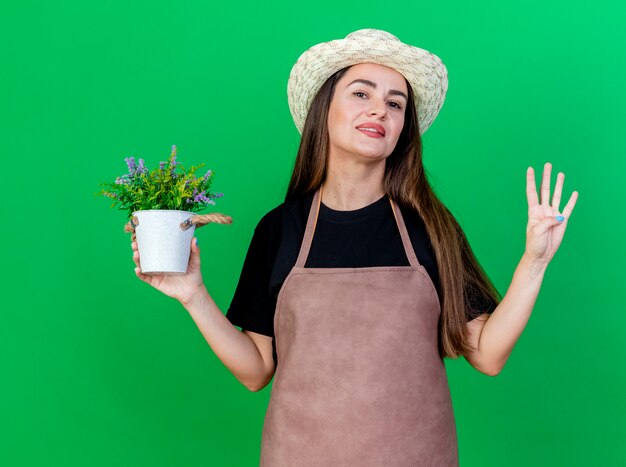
161 205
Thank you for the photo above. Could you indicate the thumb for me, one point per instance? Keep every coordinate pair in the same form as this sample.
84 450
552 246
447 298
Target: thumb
194 258
547 223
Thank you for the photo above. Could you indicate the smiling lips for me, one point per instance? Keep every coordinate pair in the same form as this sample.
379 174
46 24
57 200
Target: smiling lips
373 130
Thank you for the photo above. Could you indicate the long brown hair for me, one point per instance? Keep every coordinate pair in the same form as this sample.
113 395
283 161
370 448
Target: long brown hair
405 181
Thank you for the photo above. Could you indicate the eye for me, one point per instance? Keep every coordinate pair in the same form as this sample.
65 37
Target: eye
395 105
359 94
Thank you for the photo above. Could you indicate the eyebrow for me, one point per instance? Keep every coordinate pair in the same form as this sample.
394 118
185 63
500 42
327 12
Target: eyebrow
367 82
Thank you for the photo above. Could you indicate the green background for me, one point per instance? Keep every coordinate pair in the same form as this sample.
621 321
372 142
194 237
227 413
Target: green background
100 369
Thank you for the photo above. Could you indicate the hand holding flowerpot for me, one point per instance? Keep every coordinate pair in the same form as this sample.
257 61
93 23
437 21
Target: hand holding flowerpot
180 287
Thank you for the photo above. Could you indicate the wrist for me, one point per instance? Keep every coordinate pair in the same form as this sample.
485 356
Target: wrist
536 266
532 259
196 298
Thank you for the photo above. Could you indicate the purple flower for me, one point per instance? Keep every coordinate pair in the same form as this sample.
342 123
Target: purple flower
132 167
218 195
142 169
172 161
123 180
173 165
162 165
200 198
207 175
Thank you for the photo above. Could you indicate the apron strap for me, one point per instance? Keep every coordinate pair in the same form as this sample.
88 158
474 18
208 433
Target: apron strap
404 234
310 229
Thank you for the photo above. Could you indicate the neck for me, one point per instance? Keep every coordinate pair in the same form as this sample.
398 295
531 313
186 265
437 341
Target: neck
352 185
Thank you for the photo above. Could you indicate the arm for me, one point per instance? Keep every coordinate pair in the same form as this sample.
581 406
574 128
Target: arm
246 354
493 337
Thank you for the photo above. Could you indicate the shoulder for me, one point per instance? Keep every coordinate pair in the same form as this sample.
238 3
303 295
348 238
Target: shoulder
287 212
277 234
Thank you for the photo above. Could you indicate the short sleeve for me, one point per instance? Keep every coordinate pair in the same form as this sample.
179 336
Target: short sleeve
252 306
478 303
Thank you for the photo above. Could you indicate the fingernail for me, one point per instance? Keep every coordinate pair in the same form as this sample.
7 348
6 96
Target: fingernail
560 218
196 241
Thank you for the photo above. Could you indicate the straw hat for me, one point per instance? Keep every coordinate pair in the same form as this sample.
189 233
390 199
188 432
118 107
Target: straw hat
424 71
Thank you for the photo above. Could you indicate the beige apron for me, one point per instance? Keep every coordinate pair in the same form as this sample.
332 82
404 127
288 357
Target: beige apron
360 381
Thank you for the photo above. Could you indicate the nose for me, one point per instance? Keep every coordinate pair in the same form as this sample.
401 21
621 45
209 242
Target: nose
377 109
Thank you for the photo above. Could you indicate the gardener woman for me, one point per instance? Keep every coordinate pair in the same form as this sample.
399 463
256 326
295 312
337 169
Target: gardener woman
359 284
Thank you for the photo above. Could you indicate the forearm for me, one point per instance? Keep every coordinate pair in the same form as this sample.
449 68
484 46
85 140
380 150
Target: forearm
235 349
505 325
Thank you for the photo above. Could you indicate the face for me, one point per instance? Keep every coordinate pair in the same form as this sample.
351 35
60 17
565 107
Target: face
366 113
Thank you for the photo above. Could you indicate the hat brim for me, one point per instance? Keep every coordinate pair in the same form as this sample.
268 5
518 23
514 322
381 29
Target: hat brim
423 70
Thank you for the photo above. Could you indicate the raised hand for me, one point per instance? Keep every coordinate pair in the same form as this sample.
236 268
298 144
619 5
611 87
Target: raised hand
545 230
182 288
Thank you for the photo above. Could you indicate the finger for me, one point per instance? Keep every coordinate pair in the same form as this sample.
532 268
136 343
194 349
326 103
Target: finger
144 277
546 224
531 188
134 246
558 188
136 259
545 184
569 207
134 237
194 259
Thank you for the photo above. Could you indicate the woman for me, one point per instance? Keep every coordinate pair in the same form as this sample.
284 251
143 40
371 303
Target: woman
356 287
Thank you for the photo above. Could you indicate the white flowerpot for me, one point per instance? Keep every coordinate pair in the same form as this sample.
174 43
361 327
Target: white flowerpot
164 247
